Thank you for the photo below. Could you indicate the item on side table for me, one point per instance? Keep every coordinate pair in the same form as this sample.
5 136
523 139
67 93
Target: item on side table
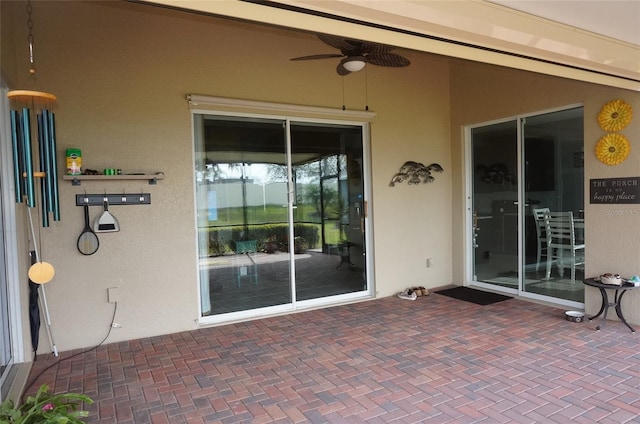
613 279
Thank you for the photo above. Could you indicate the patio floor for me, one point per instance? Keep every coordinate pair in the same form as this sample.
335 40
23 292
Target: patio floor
433 360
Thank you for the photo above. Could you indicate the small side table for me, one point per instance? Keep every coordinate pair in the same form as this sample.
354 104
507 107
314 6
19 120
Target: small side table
617 300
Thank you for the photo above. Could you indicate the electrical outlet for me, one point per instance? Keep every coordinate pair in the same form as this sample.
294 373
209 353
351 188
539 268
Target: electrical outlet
113 295
429 262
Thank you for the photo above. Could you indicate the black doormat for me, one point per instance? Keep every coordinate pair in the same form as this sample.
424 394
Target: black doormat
478 297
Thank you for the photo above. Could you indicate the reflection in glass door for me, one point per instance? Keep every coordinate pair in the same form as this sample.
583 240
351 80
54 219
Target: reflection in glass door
329 212
528 179
495 199
553 186
281 212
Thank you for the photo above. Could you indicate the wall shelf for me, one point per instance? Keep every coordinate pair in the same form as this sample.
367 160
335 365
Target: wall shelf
76 180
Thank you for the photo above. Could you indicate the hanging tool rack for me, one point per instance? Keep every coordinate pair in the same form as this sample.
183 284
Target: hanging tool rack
113 199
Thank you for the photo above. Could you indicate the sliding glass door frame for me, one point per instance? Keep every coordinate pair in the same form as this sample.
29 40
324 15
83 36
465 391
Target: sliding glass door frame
471 232
520 203
365 223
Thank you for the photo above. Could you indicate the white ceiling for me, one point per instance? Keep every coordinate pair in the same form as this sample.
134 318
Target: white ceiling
612 18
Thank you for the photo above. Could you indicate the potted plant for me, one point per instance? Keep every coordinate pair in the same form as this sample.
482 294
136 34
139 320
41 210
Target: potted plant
299 245
45 407
271 244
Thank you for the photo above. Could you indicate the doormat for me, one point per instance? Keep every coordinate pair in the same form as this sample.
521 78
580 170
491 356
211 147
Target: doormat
478 297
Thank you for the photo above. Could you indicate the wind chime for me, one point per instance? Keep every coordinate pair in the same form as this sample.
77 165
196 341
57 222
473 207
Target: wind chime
32 122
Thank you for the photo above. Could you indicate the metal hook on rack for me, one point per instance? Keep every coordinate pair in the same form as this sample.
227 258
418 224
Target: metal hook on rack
113 199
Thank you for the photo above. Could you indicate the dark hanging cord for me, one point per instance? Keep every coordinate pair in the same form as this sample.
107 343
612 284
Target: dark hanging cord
366 89
32 65
32 70
343 106
39 374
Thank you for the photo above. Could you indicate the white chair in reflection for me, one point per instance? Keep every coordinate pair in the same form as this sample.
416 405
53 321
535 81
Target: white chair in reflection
561 245
541 233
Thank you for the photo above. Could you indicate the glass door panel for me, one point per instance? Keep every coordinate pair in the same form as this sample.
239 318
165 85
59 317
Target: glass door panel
554 182
329 212
280 210
241 188
495 204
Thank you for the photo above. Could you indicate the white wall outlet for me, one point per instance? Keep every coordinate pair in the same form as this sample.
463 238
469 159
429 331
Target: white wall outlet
429 262
113 294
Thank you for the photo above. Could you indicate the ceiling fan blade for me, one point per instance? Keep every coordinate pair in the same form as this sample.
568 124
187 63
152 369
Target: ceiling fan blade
373 48
387 59
318 56
345 45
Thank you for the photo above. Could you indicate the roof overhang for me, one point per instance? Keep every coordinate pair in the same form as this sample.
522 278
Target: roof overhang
475 30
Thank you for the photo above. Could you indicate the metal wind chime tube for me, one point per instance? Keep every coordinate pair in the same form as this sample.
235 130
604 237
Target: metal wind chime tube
23 157
17 157
52 175
27 155
48 162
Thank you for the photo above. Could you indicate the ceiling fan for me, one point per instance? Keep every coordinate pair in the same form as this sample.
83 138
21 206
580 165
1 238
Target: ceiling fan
356 54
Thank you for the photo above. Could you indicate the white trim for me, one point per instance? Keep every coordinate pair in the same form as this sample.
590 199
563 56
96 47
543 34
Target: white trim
251 106
10 232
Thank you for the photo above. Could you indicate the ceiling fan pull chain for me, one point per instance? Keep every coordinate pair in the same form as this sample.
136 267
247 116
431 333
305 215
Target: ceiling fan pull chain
366 89
343 105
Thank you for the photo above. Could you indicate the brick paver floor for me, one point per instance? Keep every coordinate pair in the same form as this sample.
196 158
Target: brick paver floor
432 360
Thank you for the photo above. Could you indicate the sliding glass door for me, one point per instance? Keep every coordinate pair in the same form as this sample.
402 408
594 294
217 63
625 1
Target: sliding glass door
525 172
329 209
553 185
495 204
281 212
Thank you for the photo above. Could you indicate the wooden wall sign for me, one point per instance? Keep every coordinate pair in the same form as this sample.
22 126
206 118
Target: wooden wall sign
615 190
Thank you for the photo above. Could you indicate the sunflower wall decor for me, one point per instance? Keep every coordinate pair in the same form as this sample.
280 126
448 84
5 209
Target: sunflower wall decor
613 149
615 115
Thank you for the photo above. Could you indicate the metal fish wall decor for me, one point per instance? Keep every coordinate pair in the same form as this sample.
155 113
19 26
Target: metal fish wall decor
415 173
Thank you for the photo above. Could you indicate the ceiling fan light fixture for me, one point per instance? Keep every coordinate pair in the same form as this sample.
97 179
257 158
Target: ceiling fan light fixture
353 64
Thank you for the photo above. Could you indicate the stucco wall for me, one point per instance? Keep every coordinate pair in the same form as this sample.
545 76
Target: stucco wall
482 93
121 72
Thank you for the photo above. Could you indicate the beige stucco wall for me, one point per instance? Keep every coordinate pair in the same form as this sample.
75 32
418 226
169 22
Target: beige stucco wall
122 71
483 93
